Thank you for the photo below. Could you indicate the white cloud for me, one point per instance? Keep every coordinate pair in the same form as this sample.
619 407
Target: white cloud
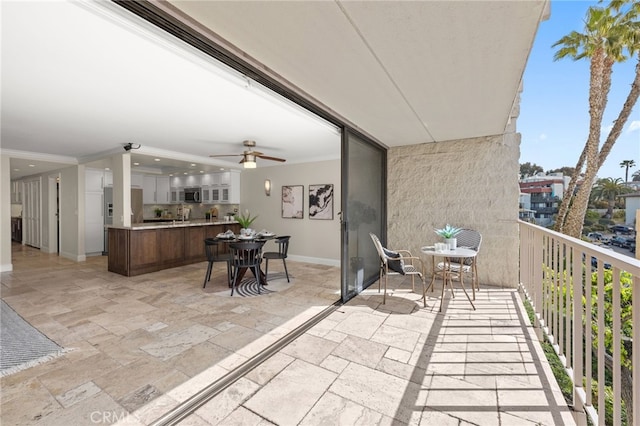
606 129
634 125
542 137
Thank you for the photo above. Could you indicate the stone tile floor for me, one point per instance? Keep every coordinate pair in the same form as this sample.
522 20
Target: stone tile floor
143 345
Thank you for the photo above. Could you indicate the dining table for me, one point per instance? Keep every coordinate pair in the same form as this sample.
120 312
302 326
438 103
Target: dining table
446 255
258 237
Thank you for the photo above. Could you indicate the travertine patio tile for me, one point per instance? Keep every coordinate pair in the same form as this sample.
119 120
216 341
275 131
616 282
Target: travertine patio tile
301 382
379 391
270 368
310 348
535 417
360 351
332 409
227 401
334 363
398 355
432 417
401 370
243 417
411 323
82 392
360 324
178 342
396 337
497 356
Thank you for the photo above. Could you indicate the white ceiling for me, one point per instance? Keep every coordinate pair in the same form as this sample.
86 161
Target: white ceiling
81 79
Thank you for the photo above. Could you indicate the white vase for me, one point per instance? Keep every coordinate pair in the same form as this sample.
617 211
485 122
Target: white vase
452 243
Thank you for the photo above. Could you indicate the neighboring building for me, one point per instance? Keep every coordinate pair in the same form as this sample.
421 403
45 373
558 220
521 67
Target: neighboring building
542 194
631 206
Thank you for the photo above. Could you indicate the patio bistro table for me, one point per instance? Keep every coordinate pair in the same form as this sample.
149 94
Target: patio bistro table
447 255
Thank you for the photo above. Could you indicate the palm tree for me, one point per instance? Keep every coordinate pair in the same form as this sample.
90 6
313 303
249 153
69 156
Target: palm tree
608 34
626 164
635 177
609 189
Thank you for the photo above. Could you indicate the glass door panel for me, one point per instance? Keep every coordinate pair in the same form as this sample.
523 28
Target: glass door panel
363 211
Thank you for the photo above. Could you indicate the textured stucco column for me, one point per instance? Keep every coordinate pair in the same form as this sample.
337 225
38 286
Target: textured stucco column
470 183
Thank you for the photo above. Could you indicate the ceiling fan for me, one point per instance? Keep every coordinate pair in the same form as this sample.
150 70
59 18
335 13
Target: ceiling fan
249 155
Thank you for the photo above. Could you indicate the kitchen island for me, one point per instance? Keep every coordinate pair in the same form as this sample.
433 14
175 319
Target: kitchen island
149 247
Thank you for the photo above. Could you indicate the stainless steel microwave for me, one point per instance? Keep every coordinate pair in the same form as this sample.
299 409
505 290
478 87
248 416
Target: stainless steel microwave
192 195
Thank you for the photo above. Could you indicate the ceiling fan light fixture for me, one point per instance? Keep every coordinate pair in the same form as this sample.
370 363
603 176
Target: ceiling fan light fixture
249 161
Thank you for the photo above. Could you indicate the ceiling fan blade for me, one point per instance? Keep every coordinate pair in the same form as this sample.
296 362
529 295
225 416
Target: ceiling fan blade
225 155
266 157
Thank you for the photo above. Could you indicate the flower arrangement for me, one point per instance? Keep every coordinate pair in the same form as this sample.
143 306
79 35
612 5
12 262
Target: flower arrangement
448 231
245 220
158 211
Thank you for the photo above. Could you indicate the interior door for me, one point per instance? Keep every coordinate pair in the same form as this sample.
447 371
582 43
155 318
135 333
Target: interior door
363 211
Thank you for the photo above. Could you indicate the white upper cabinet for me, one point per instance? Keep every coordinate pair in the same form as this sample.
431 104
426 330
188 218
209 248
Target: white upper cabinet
149 190
156 190
163 190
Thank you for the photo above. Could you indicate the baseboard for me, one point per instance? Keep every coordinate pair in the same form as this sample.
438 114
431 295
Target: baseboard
6 268
316 260
74 257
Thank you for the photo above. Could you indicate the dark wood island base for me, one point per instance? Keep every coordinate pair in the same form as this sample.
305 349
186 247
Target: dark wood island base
142 249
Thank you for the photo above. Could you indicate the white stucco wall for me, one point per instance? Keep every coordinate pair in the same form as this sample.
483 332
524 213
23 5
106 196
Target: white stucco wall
471 183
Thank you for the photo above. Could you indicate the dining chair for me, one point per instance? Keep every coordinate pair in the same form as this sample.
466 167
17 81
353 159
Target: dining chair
283 248
398 262
246 256
214 254
471 239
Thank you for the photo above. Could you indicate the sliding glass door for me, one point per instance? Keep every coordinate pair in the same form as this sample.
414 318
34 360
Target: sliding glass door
363 211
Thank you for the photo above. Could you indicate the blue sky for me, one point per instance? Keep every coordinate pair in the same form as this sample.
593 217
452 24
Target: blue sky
554 113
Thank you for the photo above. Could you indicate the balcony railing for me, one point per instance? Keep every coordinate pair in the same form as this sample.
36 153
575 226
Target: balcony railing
582 296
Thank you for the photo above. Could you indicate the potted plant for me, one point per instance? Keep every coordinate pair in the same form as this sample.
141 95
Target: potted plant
158 211
245 220
448 233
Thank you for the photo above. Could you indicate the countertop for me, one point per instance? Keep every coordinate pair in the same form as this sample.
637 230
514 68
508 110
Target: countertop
170 223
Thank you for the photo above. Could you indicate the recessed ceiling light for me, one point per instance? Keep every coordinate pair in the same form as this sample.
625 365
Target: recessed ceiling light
136 164
16 170
221 168
32 165
193 165
185 173
106 168
201 171
156 159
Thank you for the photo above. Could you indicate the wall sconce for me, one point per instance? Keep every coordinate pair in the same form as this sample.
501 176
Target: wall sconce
267 187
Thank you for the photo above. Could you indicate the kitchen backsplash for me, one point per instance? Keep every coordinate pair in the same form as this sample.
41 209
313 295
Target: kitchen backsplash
197 210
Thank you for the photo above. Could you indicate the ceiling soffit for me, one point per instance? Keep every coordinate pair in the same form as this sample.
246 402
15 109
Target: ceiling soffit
404 72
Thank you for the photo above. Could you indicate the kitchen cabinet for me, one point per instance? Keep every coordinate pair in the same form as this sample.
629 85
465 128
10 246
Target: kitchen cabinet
222 188
155 190
162 189
16 192
142 250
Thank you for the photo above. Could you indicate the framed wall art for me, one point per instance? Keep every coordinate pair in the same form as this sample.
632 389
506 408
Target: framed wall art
321 202
292 202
